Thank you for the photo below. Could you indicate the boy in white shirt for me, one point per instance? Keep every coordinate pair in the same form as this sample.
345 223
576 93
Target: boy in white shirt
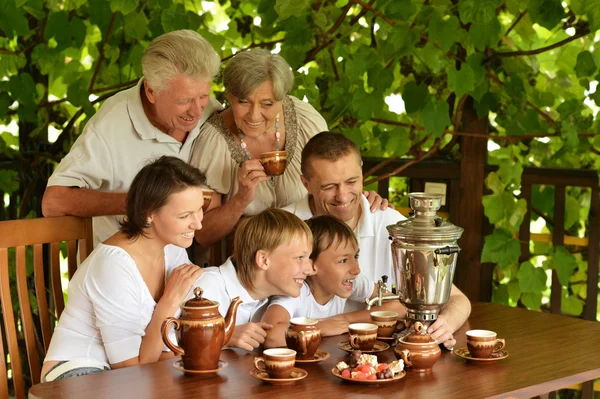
324 295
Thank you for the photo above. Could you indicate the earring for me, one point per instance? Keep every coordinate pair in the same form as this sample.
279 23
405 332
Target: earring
148 222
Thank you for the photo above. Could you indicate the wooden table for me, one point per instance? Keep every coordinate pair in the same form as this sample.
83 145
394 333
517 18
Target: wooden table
546 352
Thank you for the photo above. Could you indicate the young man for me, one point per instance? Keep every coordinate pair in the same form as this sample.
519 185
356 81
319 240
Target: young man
332 174
161 115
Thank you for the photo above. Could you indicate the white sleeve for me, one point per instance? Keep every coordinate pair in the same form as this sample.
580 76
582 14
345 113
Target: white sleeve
213 287
292 305
117 298
174 257
363 288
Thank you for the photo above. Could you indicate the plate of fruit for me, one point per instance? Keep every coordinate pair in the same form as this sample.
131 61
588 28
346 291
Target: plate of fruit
364 368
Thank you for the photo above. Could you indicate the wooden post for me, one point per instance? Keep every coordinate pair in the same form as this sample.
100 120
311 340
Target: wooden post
468 275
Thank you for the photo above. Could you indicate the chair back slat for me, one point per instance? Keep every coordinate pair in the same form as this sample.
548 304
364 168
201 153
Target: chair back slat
40 293
558 239
591 305
43 237
10 327
26 316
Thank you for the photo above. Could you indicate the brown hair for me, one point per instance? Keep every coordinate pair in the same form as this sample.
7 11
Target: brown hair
327 230
151 189
329 146
265 231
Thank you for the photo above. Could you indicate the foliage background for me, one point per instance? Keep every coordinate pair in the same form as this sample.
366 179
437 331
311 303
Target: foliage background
529 66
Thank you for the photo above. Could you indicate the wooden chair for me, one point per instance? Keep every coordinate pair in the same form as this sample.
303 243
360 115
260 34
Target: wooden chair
44 235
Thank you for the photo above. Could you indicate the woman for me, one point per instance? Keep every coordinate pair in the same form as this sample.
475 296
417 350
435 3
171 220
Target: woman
262 118
120 295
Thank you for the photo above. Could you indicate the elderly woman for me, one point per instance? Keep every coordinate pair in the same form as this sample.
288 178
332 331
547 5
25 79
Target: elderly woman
262 117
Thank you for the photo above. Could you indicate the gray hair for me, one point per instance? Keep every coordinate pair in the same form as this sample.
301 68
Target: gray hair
249 69
179 52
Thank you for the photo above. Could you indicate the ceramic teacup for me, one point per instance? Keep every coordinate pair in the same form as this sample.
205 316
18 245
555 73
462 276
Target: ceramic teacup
362 335
303 336
277 362
482 343
386 321
274 162
207 196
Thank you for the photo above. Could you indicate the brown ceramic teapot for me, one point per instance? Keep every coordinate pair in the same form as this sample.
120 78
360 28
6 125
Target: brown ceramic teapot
418 350
203 331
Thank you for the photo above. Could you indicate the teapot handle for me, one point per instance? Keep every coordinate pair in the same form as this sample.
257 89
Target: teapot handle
405 356
165 335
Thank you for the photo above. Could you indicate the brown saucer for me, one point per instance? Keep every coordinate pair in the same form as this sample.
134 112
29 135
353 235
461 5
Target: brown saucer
319 356
464 353
178 364
297 374
386 338
396 377
378 347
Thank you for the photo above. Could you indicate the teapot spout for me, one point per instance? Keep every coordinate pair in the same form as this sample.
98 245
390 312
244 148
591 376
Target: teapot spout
230 318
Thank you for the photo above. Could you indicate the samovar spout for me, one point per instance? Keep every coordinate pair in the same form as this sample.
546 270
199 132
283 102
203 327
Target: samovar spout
381 294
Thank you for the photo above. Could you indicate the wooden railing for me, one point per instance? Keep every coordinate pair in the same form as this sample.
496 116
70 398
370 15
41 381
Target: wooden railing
449 172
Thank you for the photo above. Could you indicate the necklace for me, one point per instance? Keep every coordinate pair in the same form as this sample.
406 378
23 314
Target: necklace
245 146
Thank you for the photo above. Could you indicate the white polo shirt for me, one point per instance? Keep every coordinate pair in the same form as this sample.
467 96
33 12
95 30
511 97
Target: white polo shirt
221 284
306 306
115 144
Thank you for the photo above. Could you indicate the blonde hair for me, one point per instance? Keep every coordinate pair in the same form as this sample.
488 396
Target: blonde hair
249 69
179 52
265 231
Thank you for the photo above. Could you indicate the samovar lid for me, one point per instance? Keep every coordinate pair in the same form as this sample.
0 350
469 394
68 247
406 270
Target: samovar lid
425 224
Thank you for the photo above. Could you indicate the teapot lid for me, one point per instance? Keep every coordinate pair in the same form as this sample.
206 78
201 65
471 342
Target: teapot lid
425 224
419 336
198 301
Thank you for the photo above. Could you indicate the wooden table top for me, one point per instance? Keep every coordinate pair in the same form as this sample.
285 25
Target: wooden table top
546 352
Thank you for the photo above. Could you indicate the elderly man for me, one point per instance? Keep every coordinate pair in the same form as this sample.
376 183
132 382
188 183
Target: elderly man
161 115
332 174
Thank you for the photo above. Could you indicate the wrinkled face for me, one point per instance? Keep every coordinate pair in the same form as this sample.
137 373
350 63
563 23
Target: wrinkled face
289 265
336 268
256 114
336 187
177 220
178 108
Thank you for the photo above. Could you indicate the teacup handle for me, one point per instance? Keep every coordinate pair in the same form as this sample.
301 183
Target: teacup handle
165 335
353 340
258 365
302 338
500 344
405 356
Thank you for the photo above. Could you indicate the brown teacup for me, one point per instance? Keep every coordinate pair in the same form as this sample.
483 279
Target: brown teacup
386 321
482 343
277 362
362 335
274 162
304 337
207 196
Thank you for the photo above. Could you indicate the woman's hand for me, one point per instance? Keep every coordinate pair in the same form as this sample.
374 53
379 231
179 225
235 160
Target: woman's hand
377 202
179 283
250 175
249 336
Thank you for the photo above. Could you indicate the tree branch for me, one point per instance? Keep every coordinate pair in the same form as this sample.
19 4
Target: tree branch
340 19
515 22
374 11
333 65
543 49
101 57
254 45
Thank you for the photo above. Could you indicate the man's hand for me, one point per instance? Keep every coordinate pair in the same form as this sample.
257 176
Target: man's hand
441 331
249 336
330 327
376 202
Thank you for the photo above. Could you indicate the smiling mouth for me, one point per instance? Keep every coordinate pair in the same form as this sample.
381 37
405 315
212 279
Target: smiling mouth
342 206
188 235
254 124
187 119
349 283
299 281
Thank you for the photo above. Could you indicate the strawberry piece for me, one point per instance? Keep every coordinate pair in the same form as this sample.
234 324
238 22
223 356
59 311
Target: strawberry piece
360 376
382 366
372 377
346 373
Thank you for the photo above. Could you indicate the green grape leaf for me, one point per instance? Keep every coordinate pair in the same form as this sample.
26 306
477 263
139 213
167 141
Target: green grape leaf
500 294
99 15
532 300
398 142
9 181
488 102
531 278
569 107
12 19
435 117
497 206
35 12
485 34
586 64
174 18
572 305
136 25
564 263
547 13
572 208
380 78
592 10
124 6
414 96
501 248
77 95
478 10
287 8
461 82
514 291
400 9
5 102
510 172
494 183
515 87
569 133
78 31
443 32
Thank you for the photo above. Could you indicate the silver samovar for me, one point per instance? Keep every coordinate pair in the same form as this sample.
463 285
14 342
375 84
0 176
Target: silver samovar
424 252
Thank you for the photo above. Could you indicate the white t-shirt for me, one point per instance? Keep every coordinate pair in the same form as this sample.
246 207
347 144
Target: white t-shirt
221 284
115 144
109 307
306 305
